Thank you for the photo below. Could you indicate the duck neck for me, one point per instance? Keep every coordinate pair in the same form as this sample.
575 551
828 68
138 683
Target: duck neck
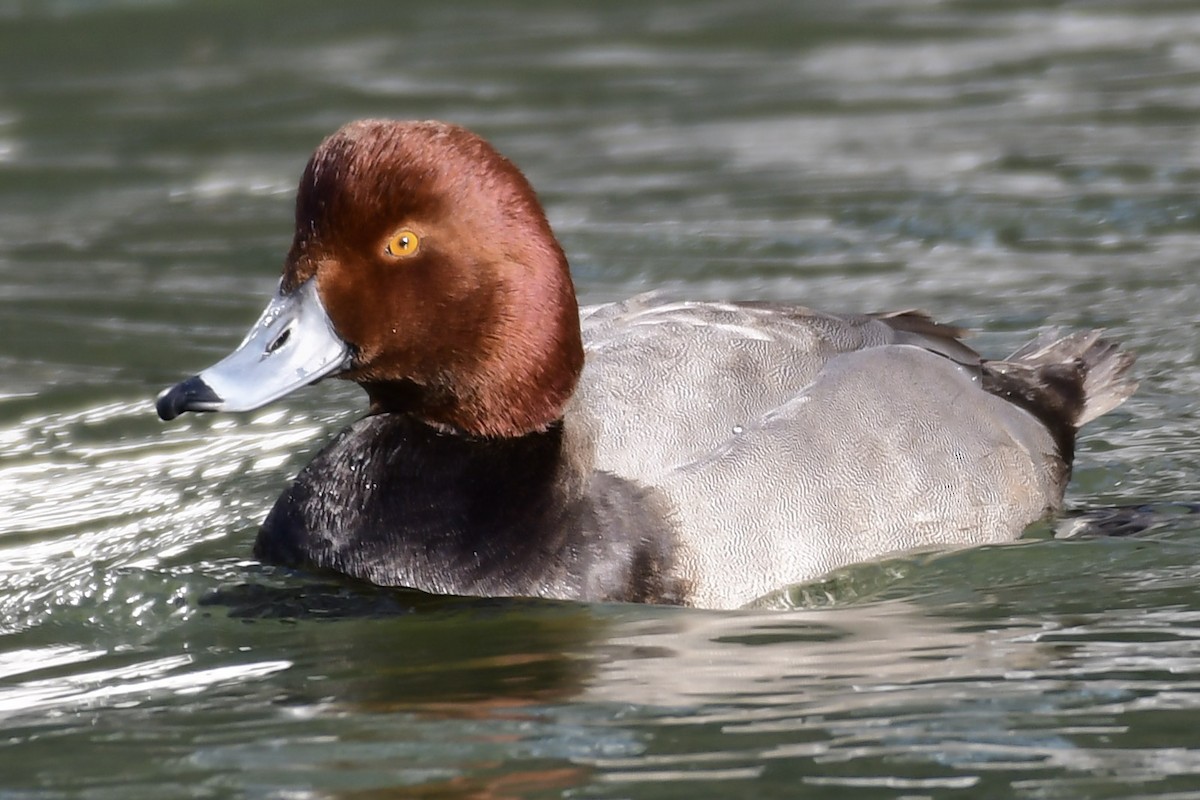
515 378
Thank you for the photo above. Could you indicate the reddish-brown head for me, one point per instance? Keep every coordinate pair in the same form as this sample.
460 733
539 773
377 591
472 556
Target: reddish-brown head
435 262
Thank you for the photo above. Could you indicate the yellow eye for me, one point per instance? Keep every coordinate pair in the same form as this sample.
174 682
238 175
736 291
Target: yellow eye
403 243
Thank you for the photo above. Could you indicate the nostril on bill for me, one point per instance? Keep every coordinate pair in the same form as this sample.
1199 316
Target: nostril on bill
280 341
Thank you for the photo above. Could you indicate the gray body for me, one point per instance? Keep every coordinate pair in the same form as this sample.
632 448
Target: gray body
789 442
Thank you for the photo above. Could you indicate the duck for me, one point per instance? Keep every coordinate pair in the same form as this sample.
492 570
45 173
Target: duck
649 450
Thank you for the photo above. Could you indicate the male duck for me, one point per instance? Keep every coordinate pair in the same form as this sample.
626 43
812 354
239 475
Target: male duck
650 451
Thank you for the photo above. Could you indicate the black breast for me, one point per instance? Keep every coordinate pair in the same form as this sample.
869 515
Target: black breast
395 502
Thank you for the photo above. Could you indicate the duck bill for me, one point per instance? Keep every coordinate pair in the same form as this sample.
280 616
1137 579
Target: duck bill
293 344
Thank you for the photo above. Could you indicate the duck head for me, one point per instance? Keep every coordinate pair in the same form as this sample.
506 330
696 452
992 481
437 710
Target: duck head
422 268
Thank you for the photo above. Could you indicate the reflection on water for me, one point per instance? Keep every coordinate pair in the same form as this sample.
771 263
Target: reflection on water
1005 166
297 684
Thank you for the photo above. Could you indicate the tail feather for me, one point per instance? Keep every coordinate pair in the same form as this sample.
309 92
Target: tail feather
1065 380
1102 364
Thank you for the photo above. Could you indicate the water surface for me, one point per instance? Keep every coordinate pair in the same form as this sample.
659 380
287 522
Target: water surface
1006 166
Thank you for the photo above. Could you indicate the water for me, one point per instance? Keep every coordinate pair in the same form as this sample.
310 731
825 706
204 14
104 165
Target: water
1006 166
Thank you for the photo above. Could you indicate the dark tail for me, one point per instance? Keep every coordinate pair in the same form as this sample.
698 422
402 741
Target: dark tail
1064 381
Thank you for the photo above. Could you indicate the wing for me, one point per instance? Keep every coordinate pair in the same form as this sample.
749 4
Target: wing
666 382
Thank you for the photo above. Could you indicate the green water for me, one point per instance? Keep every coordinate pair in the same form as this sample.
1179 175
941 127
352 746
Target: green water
1006 166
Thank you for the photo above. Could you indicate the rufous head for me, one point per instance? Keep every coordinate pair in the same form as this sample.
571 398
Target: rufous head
423 268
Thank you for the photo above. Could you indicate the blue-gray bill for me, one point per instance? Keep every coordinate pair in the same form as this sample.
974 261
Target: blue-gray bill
291 345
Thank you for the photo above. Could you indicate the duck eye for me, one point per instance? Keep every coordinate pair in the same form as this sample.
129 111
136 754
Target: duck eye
403 243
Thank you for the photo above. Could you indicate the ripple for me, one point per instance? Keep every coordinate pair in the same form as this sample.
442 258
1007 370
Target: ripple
80 502
148 679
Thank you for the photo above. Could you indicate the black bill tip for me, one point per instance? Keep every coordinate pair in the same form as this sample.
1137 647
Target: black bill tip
190 395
